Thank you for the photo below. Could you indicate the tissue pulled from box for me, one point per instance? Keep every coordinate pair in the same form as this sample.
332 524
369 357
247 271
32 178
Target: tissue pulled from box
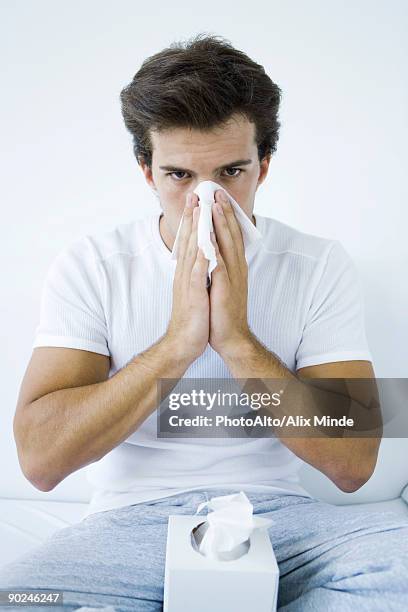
229 526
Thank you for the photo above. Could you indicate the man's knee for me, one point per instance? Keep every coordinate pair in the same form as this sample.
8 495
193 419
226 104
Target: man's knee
374 560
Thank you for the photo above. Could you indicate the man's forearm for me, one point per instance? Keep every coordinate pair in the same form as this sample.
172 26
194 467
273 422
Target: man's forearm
71 428
342 457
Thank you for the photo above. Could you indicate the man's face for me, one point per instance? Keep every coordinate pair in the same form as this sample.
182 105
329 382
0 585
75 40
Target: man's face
183 157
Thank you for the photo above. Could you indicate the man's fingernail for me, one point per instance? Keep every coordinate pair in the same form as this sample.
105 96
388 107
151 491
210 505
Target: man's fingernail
223 196
219 209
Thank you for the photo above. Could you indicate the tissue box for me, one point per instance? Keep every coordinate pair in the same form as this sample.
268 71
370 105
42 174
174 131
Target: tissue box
195 582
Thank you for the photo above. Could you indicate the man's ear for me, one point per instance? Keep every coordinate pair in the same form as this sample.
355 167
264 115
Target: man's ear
147 171
263 169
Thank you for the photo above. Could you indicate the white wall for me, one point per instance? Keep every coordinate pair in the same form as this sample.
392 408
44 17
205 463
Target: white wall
68 167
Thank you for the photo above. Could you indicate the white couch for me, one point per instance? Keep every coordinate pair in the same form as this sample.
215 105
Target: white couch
27 520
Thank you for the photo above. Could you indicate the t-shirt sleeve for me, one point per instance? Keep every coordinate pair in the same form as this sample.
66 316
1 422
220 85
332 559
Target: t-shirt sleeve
72 313
335 325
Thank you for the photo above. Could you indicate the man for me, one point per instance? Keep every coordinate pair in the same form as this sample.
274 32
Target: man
118 314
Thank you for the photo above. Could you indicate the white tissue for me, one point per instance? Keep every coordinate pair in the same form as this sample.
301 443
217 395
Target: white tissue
205 191
229 526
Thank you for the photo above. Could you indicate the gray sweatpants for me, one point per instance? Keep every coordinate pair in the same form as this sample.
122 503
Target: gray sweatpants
330 557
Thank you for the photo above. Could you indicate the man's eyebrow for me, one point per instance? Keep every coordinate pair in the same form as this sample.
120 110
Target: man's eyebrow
239 162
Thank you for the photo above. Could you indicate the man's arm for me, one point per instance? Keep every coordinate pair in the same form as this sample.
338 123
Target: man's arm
348 461
69 414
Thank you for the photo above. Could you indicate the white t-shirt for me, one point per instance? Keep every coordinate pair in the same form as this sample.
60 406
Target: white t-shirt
112 294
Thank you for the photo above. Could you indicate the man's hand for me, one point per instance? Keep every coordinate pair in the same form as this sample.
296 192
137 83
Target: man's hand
229 280
189 323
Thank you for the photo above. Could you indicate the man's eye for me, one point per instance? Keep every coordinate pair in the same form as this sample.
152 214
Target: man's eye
233 170
177 172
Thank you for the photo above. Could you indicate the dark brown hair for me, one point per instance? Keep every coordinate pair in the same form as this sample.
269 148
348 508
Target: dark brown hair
199 84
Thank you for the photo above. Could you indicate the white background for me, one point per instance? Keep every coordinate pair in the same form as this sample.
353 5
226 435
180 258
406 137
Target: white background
68 166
